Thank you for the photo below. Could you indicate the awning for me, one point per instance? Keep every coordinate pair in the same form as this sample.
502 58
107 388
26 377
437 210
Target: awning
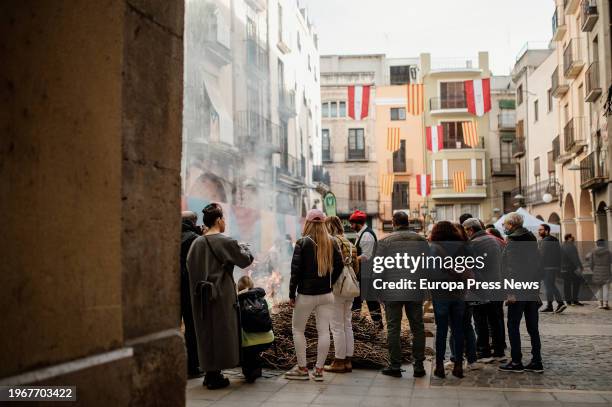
507 104
226 125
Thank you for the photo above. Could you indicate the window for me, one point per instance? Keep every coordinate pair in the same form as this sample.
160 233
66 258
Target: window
505 151
398 113
536 113
453 135
473 209
326 145
507 200
519 95
550 100
341 109
281 76
356 144
399 158
325 110
520 129
551 165
445 212
333 109
399 75
357 193
452 95
400 196
536 167
299 41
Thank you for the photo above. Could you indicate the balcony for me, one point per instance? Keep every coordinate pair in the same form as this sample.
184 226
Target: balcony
218 38
534 193
286 103
593 87
518 147
255 131
588 15
558 24
475 188
559 86
320 175
291 166
455 65
502 167
439 105
506 120
593 171
357 154
573 62
571 6
257 59
574 135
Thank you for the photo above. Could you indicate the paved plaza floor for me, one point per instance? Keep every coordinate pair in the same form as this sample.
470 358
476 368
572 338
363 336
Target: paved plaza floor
577 352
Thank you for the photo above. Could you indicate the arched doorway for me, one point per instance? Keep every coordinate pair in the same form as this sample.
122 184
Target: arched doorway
602 221
554 219
569 215
540 217
585 219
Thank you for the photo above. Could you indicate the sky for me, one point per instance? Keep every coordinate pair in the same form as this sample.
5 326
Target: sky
444 28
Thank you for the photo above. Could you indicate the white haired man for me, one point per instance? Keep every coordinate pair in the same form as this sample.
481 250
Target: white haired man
520 258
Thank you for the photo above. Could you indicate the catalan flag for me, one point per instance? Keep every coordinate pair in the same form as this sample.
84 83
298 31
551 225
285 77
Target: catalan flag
393 139
386 184
459 181
415 99
423 184
470 133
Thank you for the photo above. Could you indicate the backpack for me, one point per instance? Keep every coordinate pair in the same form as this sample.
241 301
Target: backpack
254 312
347 285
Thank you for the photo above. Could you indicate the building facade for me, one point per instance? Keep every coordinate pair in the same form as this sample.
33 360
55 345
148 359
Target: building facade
456 163
251 106
348 148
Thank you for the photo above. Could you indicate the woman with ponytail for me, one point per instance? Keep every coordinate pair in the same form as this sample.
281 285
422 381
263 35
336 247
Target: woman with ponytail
315 267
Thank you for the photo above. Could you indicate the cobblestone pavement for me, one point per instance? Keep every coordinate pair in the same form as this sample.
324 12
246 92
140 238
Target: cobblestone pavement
577 351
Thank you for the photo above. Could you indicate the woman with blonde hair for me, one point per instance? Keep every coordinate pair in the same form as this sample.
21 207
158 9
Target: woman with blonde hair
315 267
341 323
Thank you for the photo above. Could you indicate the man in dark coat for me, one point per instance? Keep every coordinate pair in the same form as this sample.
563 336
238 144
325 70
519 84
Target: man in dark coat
550 257
214 300
404 240
488 314
189 233
520 261
571 270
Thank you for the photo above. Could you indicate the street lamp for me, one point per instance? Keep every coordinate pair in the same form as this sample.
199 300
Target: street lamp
432 214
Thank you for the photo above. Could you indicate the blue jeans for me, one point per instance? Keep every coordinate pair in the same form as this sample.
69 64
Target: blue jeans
515 314
469 336
449 312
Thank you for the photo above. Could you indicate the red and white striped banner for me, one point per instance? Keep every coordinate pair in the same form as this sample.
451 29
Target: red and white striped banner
393 139
459 181
358 101
478 95
470 134
414 98
435 138
423 184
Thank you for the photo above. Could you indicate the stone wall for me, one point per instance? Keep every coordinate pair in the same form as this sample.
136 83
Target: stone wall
89 170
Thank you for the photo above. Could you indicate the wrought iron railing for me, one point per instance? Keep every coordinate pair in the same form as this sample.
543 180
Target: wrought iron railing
593 170
437 103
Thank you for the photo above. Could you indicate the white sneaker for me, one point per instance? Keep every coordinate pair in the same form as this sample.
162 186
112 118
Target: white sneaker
449 365
486 360
297 374
317 375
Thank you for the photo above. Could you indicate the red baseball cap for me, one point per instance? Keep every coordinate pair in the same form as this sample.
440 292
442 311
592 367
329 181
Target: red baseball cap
358 216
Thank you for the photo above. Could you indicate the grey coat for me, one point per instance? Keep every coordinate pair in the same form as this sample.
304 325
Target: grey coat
599 261
214 299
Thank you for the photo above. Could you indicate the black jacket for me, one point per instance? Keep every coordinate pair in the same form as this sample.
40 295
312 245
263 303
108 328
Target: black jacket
550 252
189 233
521 259
305 278
570 259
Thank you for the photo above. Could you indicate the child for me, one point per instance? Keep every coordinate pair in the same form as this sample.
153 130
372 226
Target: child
256 325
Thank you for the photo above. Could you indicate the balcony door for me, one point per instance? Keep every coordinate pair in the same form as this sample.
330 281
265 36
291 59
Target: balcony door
452 95
356 144
400 198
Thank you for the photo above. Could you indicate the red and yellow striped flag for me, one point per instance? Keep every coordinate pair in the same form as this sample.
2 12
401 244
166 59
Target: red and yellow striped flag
414 98
459 181
470 134
386 184
393 139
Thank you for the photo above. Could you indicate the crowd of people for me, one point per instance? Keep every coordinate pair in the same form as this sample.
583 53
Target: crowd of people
229 324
